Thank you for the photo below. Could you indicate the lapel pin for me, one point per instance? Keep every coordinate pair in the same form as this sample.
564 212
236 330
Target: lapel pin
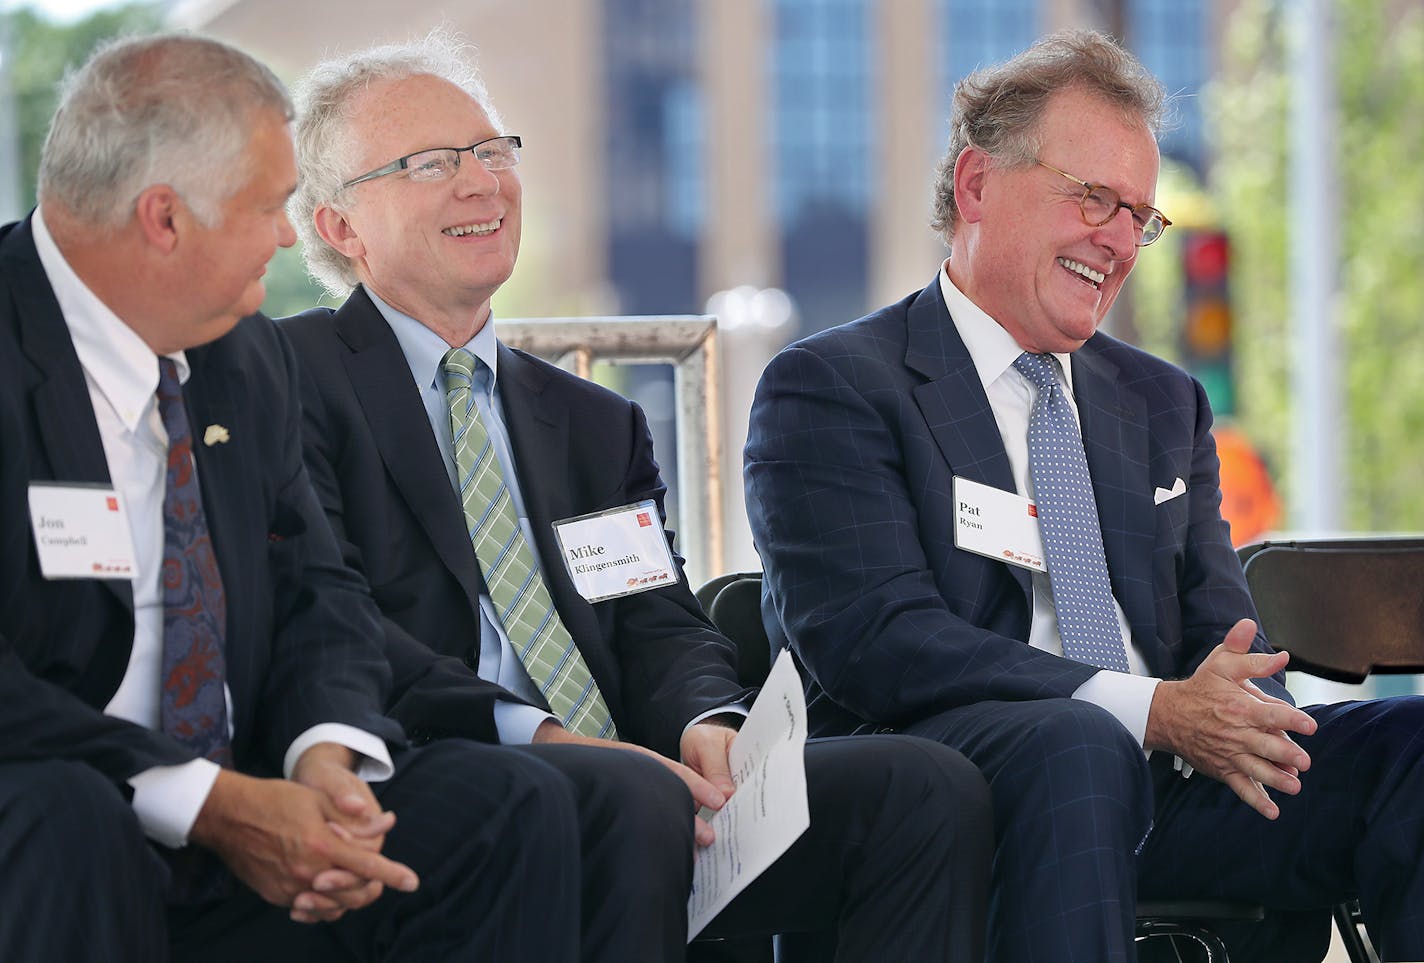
215 435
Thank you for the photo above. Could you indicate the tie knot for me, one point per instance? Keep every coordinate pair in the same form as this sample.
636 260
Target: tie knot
1038 368
462 364
168 386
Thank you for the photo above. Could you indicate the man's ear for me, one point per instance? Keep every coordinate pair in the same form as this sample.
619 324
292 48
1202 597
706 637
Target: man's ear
971 172
158 212
334 228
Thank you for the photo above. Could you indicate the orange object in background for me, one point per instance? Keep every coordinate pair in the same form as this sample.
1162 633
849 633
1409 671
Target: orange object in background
1248 496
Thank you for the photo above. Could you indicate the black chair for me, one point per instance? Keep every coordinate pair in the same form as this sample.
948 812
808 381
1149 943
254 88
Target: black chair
733 603
1344 609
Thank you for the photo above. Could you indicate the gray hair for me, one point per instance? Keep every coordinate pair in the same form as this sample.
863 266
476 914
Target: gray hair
169 109
998 109
325 150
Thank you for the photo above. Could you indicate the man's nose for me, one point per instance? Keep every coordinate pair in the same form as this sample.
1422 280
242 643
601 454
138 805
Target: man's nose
472 177
1119 235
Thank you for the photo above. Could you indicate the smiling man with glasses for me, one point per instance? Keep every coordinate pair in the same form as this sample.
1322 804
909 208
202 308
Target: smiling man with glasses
444 459
985 522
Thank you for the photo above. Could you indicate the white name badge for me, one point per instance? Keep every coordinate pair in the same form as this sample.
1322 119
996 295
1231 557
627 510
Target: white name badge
998 524
81 531
618 552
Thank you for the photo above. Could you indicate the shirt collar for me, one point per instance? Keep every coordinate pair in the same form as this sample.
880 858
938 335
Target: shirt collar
118 362
424 350
992 349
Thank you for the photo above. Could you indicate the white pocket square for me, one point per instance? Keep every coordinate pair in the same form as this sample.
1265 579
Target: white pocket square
1161 495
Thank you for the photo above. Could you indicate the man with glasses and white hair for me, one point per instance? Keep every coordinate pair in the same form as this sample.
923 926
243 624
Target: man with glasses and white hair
444 459
986 523
195 762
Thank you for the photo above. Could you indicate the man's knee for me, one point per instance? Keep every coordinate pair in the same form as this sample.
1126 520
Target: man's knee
55 807
896 772
443 789
874 786
1044 755
625 791
72 849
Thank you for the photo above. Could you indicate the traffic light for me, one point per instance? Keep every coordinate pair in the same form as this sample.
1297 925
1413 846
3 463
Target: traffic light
1206 328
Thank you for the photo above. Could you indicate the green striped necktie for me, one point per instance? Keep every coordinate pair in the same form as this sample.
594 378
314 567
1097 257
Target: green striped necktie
521 599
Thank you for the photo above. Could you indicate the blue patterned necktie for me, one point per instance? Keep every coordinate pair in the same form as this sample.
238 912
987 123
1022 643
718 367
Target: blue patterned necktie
192 700
1068 520
511 573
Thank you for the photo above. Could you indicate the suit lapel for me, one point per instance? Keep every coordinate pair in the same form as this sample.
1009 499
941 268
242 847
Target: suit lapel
1115 440
953 402
380 376
216 395
64 414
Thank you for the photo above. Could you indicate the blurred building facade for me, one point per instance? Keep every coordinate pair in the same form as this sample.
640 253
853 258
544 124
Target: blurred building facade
677 148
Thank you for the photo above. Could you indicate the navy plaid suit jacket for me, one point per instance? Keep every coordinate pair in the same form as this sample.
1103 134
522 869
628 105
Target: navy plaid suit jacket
856 434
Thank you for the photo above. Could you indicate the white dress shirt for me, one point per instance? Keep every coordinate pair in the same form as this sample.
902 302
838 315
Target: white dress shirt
1128 696
121 373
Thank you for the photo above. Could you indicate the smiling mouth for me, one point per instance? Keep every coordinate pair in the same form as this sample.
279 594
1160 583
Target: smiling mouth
1085 273
478 230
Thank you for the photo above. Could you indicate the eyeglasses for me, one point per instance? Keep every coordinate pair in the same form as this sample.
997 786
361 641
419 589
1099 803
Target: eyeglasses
439 163
1100 204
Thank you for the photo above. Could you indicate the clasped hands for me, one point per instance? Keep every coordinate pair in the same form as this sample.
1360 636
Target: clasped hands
312 842
1221 723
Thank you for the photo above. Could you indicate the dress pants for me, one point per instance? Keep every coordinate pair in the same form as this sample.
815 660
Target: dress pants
1085 824
78 879
1356 830
895 864
514 849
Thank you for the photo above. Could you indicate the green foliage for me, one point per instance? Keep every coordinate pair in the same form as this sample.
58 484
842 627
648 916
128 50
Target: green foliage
41 53
289 289
1379 69
1156 287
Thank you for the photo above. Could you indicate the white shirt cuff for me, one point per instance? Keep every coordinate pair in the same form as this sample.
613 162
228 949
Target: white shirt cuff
374 764
1128 697
736 709
167 799
515 722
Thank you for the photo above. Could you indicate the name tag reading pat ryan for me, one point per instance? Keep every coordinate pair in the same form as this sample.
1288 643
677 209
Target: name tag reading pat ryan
81 531
618 552
997 524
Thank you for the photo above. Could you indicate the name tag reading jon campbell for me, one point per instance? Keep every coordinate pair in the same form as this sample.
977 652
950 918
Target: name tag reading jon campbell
618 552
81 531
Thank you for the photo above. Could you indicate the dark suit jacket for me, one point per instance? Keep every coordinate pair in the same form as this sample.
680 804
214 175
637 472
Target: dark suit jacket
578 448
856 434
302 637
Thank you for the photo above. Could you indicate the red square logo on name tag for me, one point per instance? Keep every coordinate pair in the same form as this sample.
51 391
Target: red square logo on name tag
1033 511
644 520
112 502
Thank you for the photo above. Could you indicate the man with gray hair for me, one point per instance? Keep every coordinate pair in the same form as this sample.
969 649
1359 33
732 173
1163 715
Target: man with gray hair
1060 642
194 757
446 461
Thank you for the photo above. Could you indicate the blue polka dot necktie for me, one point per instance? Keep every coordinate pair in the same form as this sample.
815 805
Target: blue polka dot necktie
1068 521
517 589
